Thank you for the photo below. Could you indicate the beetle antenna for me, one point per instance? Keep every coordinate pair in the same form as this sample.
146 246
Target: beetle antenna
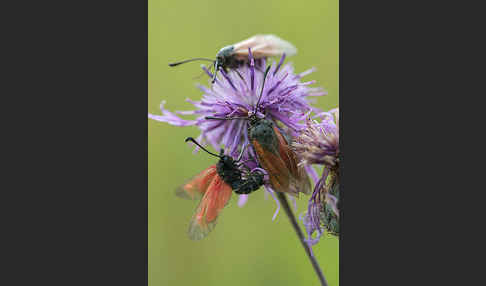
189 60
195 142
263 85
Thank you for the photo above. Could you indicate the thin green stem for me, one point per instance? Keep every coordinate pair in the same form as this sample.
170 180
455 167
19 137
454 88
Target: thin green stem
285 204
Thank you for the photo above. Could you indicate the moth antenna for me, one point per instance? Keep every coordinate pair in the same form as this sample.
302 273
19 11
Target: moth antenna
189 60
263 85
221 118
195 142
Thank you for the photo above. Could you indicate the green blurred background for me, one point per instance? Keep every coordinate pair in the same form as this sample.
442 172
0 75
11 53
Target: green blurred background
247 247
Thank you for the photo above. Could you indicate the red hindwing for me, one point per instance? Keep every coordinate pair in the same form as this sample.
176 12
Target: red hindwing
214 200
196 187
214 194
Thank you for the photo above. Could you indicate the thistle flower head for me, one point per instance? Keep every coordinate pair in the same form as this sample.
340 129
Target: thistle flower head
236 93
281 96
319 142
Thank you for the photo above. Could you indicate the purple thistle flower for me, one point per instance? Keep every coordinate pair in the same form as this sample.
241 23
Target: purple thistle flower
285 98
319 144
235 93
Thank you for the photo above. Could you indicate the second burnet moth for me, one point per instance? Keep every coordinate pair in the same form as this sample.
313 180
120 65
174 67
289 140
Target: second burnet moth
232 56
214 186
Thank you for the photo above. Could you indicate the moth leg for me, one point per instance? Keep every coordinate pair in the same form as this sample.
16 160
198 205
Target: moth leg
216 69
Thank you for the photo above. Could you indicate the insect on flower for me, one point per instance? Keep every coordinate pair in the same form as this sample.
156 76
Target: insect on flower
233 56
273 151
214 186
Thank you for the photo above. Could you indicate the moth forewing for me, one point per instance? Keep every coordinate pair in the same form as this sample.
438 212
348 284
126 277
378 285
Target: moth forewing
264 46
249 43
299 180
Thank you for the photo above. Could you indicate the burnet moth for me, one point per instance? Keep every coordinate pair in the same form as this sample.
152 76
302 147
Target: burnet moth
214 186
232 56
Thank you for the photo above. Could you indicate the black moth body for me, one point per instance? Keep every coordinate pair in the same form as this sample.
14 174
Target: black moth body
231 174
252 183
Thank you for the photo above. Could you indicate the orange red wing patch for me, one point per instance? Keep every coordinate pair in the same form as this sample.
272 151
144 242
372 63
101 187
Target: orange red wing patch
285 175
197 186
214 200
299 180
277 169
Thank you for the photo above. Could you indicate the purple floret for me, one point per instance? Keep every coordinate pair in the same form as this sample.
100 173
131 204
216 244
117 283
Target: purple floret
235 93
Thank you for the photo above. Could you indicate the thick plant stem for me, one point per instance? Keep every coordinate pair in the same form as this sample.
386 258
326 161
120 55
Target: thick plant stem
285 204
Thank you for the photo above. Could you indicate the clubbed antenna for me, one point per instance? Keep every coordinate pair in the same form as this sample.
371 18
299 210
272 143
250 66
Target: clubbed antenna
190 60
195 142
224 118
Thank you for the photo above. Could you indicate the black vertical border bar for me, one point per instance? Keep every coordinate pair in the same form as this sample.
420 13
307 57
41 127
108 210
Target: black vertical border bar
145 163
361 61
144 201
79 72
394 80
